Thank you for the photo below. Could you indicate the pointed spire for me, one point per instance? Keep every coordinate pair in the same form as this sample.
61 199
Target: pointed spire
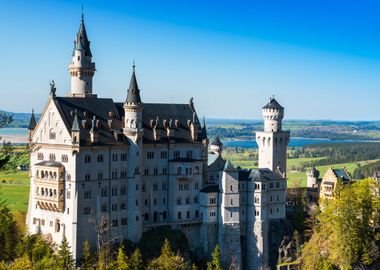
82 42
75 126
32 122
228 167
52 89
133 96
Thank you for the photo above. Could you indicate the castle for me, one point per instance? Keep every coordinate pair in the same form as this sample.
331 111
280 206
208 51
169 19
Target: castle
107 171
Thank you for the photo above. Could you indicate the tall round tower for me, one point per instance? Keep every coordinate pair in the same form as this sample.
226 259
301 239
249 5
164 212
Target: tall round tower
81 68
273 114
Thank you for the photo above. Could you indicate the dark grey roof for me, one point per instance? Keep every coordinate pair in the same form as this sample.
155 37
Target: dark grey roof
258 174
32 122
315 172
216 141
87 108
215 162
154 115
273 104
133 91
50 164
228 167
210 189
82 42
342 174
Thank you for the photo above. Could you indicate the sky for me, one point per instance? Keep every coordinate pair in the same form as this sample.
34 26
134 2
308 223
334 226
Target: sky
320 58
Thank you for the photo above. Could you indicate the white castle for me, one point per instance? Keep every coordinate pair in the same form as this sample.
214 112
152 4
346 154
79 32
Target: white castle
107 171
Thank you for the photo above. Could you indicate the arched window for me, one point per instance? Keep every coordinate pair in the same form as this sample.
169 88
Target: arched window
179 170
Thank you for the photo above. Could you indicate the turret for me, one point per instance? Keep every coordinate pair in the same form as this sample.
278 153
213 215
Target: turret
32 126
273 114
312 178
81 68
75 133
94 131
216 146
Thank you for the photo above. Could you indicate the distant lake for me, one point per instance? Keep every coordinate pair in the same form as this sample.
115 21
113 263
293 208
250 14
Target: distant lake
14 131
294 142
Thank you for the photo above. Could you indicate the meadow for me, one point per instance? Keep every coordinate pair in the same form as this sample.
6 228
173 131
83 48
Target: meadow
14 189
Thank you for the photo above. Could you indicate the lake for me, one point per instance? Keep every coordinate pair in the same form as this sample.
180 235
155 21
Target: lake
294 142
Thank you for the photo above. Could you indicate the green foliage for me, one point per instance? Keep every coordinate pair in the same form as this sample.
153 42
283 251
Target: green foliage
168 260
87 260
136 261
215 264
344 234
122 260
9 236
65 258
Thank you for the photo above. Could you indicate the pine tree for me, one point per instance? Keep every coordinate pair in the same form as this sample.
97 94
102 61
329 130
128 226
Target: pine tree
122 260
215 264
65 258
168 260
136 262
87 258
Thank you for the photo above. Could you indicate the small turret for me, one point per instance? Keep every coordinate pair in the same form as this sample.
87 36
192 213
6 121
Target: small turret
32 125
273 114
75 132
312 178
216 146
94 131
133 97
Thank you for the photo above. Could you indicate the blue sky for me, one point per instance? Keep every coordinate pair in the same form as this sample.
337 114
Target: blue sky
321 59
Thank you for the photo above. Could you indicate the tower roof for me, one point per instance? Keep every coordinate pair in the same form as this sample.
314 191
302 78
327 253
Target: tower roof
228 167
216 141
273 104
75 126
32 122
82 42
133 91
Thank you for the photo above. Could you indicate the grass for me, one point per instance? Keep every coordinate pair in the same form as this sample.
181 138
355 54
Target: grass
14 188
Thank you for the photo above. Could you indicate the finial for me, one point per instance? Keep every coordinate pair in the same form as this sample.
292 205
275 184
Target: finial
133 65
32 110
82 13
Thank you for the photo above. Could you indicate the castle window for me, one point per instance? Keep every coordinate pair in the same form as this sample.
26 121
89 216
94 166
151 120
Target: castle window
232 202
179 170
114 174
123 157
196 185
257 186
155 186
164 186
64 158
164 154
104 207
57 226
188 214
150 155
196 169
164 170
212 214
137 202
146 172
52 135
87 210
87 177
257 200
231 188
179 215
277 210
123 174
114 191
271 198
137 187
137 170
115 223
187 171
277 197
271 211
137 218
257 213
213 200
196 200
231 214
177 154
187 200
179 200
146 202
155 171
124 221
277 184
146 216
123 190
196 213
100 158
40 156
189 154
100 175
114 207
271 185
87 159
164 215
52 157
104 192
264 186
87 194
155 201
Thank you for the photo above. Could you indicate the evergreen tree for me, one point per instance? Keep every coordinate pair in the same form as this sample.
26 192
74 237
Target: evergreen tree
168 260
8 234
122 260
65 258
87 257
215 264
136 262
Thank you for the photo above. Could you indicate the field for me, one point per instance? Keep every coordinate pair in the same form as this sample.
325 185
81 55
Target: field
14 188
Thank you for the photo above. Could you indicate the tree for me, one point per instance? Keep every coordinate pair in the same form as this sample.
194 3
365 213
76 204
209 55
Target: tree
168 260
122 260
21 264
65 258
87 256
5 119
215 264
136 262
344 233
9 235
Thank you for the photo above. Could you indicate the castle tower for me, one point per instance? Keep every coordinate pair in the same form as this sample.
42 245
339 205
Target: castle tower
81 68
312 178
273 140
216 146
229 221
132 129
